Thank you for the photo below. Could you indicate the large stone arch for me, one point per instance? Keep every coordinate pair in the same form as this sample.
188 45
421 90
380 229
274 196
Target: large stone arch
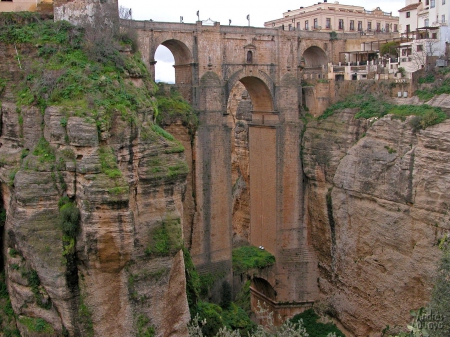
315 56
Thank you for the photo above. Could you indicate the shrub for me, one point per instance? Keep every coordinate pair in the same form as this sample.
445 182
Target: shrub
315 328
212 314
69 217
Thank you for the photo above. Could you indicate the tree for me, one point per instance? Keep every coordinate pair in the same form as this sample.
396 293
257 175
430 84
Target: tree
389 49
421 51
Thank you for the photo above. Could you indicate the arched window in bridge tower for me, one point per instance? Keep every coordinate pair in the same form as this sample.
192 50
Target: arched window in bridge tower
249 56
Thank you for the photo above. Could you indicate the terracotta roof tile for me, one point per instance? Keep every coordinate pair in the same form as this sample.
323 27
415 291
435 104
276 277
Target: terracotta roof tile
410 7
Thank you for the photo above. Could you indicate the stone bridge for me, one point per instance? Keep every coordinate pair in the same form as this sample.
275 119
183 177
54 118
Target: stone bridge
211 63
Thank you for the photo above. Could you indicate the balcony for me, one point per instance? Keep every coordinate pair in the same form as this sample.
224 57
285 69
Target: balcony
439 23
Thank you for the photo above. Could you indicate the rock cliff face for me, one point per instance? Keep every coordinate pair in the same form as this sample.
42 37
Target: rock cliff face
377 205
120 284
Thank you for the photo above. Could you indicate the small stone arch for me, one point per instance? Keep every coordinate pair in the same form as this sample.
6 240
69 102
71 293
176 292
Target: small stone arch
315 56
264 287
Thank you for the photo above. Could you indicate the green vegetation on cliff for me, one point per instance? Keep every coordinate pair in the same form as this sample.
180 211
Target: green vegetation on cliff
250 257
371 106
7 315
314 327
90 76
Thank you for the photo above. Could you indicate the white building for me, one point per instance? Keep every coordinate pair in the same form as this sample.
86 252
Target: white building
426 22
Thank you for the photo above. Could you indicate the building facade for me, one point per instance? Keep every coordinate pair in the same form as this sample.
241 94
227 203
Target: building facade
337 17
426 22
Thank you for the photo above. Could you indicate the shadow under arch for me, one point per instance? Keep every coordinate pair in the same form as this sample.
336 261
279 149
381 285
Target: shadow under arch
263 287
315 56
261 90
183 66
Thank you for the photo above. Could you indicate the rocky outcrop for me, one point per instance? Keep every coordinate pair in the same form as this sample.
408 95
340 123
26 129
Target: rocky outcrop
123 273
376 208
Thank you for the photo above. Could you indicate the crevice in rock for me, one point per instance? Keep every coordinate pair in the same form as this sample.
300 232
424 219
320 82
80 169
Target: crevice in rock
332 232
194 188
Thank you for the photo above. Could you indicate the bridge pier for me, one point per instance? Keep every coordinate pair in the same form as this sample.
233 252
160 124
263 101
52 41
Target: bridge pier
272 80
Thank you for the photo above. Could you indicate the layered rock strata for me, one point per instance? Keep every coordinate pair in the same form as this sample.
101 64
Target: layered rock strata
128 184
377 205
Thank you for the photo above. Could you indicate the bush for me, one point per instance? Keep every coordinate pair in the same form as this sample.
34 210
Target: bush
69 217
315 328
212 314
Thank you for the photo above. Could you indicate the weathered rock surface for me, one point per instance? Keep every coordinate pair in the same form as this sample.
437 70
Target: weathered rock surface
376 208
118 284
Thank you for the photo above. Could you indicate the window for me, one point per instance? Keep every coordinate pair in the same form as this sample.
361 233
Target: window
419 47
408 28
378 27
341 23
443 2
443 18
432 3
315 24
249 56
387 27
427 2
290 27
369 26
352 24
306 25
328 23
427 22
359 26
298 25
434 36
395 27
408 14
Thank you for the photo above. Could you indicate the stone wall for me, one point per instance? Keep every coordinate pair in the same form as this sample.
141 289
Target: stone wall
98 14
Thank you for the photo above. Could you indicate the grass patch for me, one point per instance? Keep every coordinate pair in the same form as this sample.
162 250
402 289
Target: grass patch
143 327
315 328
44 151
108 163
250 257
428 93
180 168
371 106
37 325
160 131
165 239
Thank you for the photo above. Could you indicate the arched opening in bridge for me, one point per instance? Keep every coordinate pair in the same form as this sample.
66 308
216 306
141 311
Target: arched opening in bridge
182 64
264 288
164 71
253 166
315 57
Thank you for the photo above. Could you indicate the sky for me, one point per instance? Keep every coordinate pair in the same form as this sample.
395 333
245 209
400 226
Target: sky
222 11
